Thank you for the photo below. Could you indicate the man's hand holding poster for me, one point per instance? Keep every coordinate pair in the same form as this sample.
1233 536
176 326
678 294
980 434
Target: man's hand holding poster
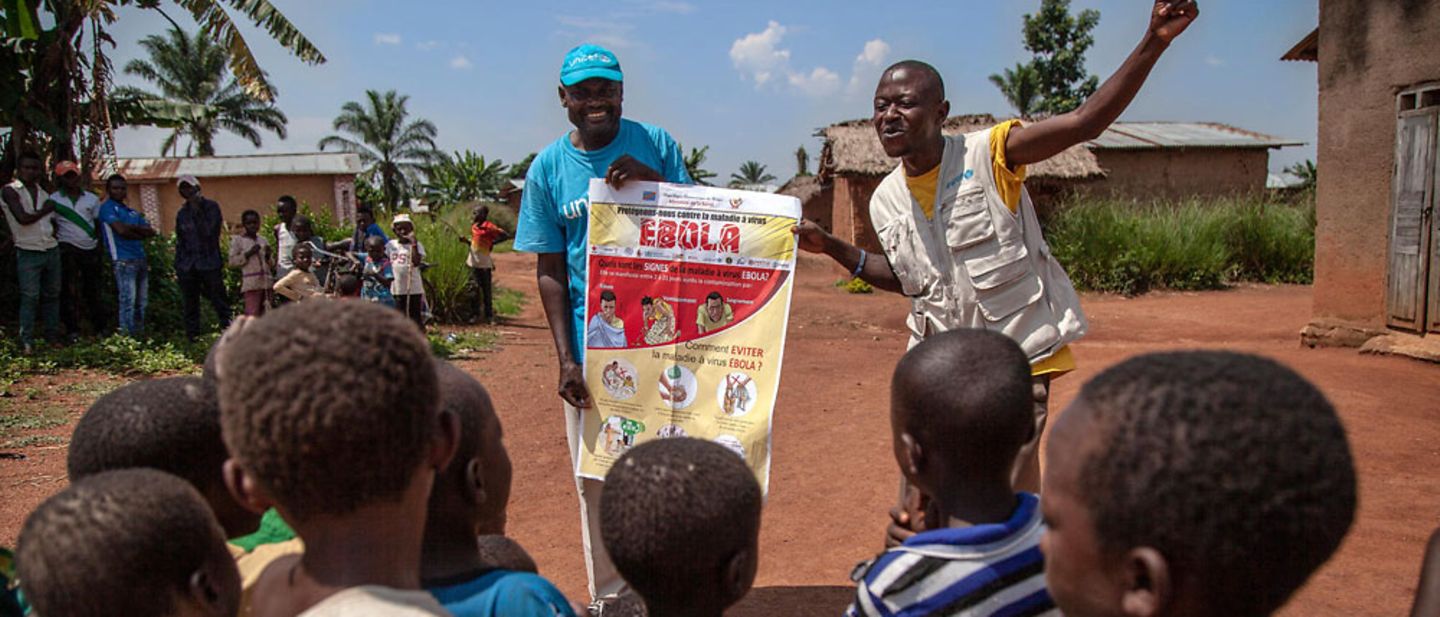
686 309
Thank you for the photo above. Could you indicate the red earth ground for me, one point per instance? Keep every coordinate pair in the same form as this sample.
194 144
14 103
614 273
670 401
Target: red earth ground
833 477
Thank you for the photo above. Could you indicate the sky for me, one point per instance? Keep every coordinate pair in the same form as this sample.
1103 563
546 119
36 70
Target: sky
751 80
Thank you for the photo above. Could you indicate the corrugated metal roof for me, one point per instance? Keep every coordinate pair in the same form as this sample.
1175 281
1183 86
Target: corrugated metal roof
1155 135
302 164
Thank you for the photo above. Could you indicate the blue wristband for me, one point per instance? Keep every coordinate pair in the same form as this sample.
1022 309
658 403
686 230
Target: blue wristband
859 266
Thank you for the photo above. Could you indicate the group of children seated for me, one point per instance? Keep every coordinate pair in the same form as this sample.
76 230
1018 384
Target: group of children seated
1183 483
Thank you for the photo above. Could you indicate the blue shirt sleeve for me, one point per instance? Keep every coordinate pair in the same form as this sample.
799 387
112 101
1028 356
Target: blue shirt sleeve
539 229
530 595
672 157
107 213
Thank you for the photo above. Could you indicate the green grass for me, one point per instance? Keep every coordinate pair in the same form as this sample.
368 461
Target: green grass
458 344
1131 248
508 302
16 421
91 389
855 286
32 441
119 355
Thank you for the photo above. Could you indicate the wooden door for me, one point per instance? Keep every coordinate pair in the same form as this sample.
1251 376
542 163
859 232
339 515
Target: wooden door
1410 225
1432 313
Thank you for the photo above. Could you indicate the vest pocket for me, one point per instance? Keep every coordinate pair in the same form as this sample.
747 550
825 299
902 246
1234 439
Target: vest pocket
1004 281
969 222
906 258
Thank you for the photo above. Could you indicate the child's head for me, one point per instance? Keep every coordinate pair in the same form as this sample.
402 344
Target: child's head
127 542
474 490
375 247
480 214
355 384
303 255
303 228
498 551
285 208
250 220
348 285
364 216
402 225
1207 482
960 409
170 424
681 520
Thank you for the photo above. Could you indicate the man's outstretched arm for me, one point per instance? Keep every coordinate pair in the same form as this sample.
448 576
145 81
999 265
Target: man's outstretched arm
1044 139
553 278
877 272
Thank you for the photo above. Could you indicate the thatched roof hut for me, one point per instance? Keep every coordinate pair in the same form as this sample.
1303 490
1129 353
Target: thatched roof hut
852 148
814 197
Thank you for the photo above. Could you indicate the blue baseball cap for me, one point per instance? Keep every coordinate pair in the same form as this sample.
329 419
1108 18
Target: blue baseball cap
587 61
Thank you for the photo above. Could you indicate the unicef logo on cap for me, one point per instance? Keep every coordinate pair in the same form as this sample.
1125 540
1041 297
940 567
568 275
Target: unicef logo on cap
591 58
588 62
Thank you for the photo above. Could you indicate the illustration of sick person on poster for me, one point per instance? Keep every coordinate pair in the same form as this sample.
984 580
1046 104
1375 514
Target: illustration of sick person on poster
687 302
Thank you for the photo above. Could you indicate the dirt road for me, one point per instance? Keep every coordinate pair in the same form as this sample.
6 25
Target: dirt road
832 473
833 477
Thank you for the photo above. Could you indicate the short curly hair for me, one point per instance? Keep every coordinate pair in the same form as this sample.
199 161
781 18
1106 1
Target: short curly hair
1234 467
154 523
170 424
979 422
673 514
330 404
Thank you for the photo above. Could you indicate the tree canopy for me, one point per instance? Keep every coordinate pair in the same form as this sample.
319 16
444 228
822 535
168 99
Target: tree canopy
395 149
191 70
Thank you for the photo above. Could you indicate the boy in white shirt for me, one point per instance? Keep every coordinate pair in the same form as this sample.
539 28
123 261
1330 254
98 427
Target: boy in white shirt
406 256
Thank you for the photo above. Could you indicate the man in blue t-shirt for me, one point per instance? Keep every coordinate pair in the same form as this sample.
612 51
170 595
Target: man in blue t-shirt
124 231
553 223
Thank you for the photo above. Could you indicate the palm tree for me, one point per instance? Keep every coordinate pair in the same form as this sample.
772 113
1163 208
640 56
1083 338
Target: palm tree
751 173
58 71
191 70
466 176
1021 87
518 171
693 161
396 150
802 162
1305 171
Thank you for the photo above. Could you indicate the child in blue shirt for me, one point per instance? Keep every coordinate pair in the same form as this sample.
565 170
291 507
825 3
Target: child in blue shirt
376 274
469 498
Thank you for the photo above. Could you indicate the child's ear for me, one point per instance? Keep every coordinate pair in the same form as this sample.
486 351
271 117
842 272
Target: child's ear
203 589
739 575
913 453
243 487
447 440
214 588
1147 583
475 481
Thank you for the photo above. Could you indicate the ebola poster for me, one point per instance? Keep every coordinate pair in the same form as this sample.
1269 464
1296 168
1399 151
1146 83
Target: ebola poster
687 302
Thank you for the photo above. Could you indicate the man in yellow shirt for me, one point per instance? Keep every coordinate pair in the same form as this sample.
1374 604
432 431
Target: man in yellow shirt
909 111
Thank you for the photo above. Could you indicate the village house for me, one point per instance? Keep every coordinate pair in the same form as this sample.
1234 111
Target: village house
325 181
1377 255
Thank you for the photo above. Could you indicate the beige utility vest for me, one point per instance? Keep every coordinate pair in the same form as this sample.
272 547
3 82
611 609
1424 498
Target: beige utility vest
37 236
975 264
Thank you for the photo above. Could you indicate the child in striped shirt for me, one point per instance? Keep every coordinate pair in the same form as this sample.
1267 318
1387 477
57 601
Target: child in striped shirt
956 442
